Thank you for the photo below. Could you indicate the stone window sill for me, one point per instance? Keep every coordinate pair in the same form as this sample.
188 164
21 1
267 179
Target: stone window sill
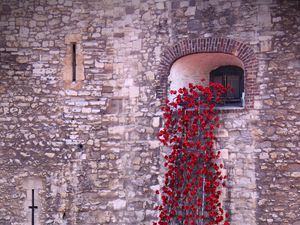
225 109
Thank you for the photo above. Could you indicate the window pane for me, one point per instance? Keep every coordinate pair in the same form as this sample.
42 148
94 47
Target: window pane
218 79
234 82
232 76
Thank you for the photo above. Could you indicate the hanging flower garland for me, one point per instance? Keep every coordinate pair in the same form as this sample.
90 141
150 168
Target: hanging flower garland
193 181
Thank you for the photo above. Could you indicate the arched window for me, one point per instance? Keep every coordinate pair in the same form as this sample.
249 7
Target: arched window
198 57
232 76
216 67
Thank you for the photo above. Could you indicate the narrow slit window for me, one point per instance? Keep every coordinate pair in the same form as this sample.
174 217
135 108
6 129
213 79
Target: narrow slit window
73 68
73 62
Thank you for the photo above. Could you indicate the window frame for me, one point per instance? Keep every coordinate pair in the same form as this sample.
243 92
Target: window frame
224 72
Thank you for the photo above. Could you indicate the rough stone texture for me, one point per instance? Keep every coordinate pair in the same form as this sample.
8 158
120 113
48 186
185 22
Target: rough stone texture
92 153
278 129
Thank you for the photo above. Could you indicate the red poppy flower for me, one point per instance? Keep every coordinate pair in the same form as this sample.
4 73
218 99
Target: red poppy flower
187 130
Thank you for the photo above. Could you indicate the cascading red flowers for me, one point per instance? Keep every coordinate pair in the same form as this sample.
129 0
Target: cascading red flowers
193 181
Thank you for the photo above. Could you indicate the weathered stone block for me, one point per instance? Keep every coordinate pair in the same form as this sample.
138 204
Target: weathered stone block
118 204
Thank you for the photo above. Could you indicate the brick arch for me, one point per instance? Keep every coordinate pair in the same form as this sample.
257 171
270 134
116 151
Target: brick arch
242 51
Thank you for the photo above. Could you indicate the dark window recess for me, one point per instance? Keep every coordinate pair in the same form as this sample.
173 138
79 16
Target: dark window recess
234 77
73 62
32 207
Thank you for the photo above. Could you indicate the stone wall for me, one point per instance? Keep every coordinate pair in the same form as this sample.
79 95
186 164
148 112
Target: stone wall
91 150
277 130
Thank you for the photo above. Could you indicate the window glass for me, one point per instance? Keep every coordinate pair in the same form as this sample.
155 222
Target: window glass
230 76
